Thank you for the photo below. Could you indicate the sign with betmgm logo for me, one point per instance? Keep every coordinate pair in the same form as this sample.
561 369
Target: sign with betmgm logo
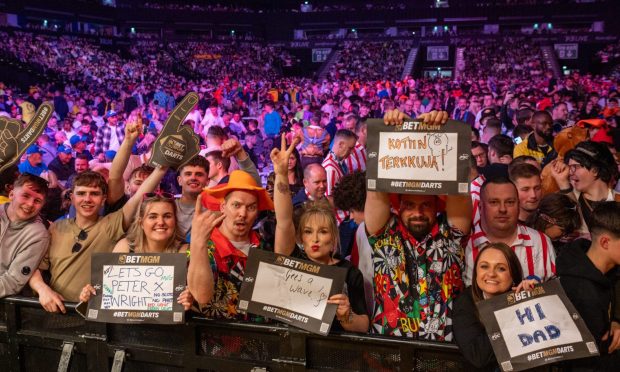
291 290
418 158
137 288
177 143
529 329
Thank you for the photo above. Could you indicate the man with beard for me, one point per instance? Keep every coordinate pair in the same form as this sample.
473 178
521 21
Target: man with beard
539 144
415 256
526 178
499 213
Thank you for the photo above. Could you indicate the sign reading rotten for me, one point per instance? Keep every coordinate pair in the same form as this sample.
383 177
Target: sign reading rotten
529 329
177 143
418 158
137 288
291 290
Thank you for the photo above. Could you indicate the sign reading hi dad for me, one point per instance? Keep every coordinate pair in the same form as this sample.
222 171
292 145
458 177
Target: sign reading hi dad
418 158
529 329
291 290
137 288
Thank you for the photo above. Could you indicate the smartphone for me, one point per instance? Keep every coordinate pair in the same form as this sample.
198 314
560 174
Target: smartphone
518 140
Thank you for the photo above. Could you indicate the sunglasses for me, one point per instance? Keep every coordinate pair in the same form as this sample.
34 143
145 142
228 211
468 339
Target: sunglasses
152 195
83 235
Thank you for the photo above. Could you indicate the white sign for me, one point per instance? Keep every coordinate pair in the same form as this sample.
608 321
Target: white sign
417 155
437 53
536 324
291 289
137 288
567 51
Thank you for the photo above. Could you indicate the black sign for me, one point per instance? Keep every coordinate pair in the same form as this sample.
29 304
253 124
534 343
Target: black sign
418 158
291 290
137 288
529 329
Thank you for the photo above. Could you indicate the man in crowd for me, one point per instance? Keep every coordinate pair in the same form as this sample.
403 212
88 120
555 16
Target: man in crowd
192 177
479 152
315 185
500 149
415 258
272 122
499 212
221 242
539 143
461 113
587 273
74 240
526 178
23 237
110 136
63 164
356 161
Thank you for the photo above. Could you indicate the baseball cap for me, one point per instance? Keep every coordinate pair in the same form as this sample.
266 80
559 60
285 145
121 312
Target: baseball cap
110 154
111 113
65 149
33 149
75 139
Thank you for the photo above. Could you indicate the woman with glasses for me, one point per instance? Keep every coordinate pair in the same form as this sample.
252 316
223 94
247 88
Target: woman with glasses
155 230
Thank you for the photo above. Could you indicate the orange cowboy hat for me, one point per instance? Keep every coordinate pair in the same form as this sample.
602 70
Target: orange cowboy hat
240 180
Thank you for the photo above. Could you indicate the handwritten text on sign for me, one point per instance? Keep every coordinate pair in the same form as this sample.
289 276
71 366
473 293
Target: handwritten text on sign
137 288
415 156
291 289
536 324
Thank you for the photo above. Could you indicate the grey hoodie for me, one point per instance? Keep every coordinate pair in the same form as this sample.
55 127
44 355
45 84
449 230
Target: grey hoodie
22 246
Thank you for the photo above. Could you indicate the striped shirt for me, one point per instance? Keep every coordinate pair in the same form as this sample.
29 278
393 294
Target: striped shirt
475 198
532 247
334 174
356 161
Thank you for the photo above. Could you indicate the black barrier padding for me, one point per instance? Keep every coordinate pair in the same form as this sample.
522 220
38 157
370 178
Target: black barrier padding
2 314
4 357
436 362
244 345
165 337
44 360
329 354
132 366
33 319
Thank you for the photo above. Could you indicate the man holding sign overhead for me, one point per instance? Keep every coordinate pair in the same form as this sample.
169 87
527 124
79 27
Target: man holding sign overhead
416 255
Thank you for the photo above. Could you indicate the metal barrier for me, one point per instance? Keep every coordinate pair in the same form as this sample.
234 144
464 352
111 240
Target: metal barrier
34 340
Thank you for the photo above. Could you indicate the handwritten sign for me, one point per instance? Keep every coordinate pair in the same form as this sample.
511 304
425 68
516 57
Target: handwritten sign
291 290
529 329
418 158
137 288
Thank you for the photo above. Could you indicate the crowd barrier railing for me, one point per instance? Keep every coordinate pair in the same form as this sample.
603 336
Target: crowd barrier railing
33 340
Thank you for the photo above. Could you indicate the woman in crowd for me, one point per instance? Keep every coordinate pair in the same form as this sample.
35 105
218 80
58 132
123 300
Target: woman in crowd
295 175
154 231
317 233
557 217
496 271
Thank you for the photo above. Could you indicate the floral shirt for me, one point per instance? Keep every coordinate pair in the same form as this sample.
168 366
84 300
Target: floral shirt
415 283
228 266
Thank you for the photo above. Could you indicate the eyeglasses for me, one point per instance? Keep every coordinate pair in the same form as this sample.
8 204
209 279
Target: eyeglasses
572 168
83 235
152 195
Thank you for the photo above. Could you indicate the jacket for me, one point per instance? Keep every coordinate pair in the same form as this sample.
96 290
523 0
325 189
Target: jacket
22 246
592 294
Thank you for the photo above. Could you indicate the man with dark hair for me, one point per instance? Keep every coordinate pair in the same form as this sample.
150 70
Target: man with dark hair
539 143
218 167
492 128
356 161
73 240
461 113
23 237
587 271
192 177
479 153
499 213
524 117
500 149
350 196
526 178
334 164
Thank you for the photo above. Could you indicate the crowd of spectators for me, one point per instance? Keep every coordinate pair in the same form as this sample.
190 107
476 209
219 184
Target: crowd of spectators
110 110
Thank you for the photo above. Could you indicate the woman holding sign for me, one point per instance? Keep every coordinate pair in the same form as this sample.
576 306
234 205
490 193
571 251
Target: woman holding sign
318 233
497 270
154 231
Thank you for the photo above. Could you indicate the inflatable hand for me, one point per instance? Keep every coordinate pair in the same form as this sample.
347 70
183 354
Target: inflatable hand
15 139
176 144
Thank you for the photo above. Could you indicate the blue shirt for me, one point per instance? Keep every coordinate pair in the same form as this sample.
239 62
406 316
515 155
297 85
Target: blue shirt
273 123
25 167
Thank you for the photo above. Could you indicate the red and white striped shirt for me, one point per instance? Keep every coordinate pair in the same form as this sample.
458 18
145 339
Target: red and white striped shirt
356 161
533 248
334 174
475 198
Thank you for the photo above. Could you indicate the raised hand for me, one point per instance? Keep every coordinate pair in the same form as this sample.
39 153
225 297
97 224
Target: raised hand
15 139
133 127
280 156
204 222
231 147
177 143
396 117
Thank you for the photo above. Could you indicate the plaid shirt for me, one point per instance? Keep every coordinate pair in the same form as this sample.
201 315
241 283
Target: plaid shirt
102 141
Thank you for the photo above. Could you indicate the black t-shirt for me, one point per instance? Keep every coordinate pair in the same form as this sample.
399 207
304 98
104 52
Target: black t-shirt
354 287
